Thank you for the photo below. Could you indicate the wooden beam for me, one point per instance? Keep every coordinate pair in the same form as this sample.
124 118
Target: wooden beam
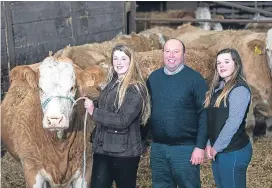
132 16
74 23
9 35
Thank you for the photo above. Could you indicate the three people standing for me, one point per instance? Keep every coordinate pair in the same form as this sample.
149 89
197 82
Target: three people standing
186 119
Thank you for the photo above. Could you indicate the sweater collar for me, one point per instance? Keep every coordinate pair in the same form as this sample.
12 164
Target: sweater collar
167 72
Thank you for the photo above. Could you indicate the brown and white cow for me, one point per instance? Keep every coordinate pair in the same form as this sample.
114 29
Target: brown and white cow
42 130
268 48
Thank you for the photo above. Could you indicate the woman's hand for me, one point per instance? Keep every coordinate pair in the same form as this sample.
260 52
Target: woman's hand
213 153
89 105
208 152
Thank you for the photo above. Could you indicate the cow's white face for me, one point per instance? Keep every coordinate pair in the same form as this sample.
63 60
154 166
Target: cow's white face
57 92
269 48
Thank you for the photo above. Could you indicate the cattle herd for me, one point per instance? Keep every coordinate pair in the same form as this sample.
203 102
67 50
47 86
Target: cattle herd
42 126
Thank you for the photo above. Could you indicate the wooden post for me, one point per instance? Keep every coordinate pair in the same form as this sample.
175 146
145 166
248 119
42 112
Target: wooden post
132 15
9 35
73 23
124 30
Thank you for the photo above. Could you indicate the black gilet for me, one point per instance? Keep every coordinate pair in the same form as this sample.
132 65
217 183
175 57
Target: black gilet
217 118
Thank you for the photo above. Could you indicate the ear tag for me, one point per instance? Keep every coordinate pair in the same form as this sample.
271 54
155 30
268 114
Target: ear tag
257 51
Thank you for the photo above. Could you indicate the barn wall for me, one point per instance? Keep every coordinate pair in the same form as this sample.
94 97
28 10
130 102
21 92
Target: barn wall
35 28
4 55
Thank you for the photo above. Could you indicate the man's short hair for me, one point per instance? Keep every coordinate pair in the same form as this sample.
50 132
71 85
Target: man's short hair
183 46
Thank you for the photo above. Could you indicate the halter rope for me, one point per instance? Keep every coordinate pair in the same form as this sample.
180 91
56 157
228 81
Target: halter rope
45 103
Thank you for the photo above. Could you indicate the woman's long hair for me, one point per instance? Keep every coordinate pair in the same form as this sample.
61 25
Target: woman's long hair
237 73
134 77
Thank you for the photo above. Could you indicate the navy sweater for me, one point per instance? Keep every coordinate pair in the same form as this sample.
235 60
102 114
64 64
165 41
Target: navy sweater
177 115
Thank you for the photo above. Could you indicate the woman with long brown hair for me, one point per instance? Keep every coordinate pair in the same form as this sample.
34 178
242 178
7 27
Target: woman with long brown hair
123 107
227 102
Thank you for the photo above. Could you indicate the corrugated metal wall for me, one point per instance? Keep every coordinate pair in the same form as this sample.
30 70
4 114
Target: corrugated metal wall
29 30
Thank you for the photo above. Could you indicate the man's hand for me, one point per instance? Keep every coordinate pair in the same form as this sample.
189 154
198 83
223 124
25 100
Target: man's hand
208 152
197 156
89 105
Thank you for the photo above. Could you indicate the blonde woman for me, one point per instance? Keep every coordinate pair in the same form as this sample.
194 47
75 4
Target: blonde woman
227 103
122 107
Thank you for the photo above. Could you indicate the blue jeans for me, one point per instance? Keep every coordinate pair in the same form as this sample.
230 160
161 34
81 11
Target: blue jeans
171 167
229 169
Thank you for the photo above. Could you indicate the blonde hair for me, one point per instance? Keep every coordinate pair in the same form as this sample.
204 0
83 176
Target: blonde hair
237 73
134 77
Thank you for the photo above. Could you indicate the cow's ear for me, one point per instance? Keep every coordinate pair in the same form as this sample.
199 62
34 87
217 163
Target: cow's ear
31 77
84 80
256 46
88 78
24 73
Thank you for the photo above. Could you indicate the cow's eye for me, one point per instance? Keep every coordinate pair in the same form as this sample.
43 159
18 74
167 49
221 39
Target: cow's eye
41 91
72 89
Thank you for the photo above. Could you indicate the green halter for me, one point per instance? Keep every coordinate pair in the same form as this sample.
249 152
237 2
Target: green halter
44 104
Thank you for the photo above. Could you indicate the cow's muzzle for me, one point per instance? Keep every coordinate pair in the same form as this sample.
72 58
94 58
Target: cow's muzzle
56 122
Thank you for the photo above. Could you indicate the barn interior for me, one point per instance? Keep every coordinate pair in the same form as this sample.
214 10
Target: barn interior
228 11
29 30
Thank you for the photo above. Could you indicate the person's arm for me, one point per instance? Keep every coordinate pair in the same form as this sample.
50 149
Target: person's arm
239 99
200 92
200 89
128 112
208 150
145 129
208 143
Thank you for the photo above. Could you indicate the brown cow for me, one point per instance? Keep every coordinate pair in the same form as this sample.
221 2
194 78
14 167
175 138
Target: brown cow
41 129
259 27
167 14
186 30
251 47
199 13
100 52
149 60
210 42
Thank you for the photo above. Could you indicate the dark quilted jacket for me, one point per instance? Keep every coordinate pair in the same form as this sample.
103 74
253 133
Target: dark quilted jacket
117 132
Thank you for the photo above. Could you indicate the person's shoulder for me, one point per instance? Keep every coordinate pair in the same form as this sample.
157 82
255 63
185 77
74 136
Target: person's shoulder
193 73
240 90
156 72
242 82
135 87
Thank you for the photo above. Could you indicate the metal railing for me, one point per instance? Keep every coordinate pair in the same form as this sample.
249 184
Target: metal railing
181 20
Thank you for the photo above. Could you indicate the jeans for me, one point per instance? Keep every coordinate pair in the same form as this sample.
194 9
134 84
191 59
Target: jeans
122 170
229 169
171 167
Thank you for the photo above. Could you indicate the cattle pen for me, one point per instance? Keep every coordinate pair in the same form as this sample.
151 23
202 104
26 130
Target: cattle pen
29 30
236 15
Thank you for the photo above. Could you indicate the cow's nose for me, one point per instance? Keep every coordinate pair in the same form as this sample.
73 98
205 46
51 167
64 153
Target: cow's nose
54 120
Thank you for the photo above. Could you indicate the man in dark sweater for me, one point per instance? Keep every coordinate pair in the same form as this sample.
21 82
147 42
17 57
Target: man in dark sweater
178 121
